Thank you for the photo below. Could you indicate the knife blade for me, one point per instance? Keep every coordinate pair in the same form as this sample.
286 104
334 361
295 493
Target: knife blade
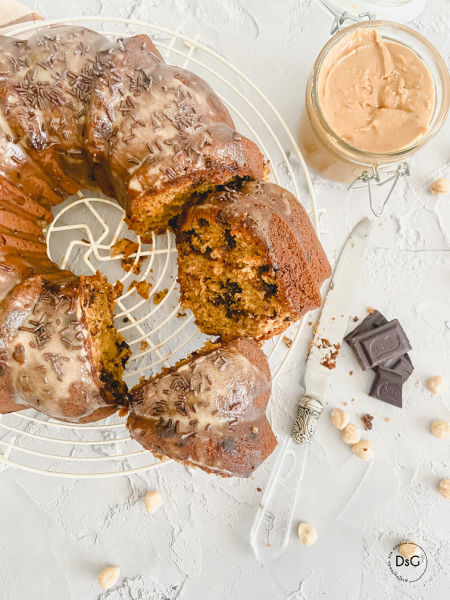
272 524
330 332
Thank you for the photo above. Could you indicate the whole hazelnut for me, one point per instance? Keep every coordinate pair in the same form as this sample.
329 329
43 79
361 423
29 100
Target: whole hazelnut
440 429
437 385
440 186
444 488
407 549
351 434
339 418
108 577
364 450
153 501
307 534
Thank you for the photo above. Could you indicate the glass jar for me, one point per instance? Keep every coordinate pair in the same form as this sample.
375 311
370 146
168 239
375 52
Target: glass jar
332 157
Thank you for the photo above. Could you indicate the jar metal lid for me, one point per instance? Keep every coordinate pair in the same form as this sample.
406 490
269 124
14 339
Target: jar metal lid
402 11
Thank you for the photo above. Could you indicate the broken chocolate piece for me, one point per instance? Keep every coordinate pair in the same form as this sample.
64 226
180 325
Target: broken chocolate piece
403 366
372 321
379 345
387 386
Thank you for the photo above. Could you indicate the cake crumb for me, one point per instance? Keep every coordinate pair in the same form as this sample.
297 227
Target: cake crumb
350 372
345 403
367 421
180 314
130 265
287 340
387 419
142 288
329 361
118 289
353 399
158 297
355 319
370 310
144 345
258 489
310 323
125 247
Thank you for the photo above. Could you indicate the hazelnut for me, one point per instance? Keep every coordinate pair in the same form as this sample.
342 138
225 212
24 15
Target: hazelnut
153 501
440 429
307 534
407 549
444 488
339 418
437 385
108 577
364 450
440 186
351 434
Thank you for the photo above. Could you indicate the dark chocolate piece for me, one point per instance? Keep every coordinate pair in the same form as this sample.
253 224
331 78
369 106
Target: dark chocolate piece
387 386
372 321
403 366
379 345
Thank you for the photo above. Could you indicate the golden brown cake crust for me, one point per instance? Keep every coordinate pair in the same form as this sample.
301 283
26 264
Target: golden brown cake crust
208 410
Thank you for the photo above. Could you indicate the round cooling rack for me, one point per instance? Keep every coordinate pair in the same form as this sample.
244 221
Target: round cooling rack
89 234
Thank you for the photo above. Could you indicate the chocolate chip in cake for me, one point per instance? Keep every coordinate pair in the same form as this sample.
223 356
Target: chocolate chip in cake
230 239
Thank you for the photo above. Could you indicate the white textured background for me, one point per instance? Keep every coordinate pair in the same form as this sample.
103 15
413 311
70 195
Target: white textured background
56 535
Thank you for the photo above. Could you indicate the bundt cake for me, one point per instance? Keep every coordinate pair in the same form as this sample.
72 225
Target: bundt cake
80 111
249 261
208 410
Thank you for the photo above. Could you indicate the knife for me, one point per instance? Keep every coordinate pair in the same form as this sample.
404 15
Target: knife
272 524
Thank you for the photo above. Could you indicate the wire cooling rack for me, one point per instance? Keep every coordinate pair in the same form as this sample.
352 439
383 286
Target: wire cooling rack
83 237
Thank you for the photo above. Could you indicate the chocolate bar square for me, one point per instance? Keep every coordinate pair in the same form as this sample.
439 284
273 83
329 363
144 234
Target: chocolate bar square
403 366
387 386
372 321
379 345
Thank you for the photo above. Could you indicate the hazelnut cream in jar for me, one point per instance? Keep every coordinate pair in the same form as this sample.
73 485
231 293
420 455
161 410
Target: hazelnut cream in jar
378 92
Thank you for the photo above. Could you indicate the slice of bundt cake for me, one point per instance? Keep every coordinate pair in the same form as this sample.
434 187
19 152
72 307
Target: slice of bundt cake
208 410
160 133
59 350
249 261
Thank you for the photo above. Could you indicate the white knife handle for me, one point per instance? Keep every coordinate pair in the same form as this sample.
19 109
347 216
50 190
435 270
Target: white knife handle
273 521
306 421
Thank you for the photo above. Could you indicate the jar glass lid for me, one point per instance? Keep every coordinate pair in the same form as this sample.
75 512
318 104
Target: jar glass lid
402 11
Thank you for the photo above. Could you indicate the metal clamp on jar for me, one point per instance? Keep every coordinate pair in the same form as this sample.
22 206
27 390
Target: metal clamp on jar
361 125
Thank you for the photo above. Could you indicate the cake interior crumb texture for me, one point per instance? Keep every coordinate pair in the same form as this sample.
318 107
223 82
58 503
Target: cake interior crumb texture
249 261
109 350
225 281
